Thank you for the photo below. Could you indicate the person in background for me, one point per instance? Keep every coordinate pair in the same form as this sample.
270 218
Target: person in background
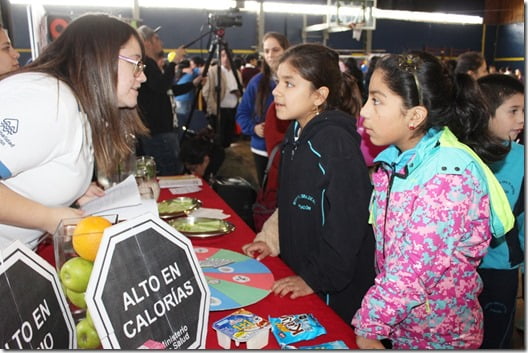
518 74
238 62
472 63
370 69
161 60
156 105
266 202
197 64
80 113
499 269
250 69
434 208
184 101
492 69
8 55
451 65
351 66
202 156
229 96
368 149
323 232
257 98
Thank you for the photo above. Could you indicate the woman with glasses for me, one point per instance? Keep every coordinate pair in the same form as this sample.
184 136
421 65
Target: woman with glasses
83 90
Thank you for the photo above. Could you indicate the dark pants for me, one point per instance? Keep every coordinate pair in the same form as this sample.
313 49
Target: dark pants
260 165
225 129
227 126
498 302
165 148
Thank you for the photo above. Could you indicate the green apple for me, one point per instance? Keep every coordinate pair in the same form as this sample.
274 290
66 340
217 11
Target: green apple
76 298
89 318
75 274
87 337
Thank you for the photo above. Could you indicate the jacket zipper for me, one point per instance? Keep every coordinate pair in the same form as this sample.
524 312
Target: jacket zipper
387 200
389 188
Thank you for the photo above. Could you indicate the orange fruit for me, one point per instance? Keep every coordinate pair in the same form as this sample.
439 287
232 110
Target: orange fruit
87 236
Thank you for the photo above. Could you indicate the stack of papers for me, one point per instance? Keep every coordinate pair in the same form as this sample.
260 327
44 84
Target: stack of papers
181 184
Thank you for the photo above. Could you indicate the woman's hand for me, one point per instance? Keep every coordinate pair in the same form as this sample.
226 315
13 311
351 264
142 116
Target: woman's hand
93 191
56 214
368 343
259 130
179 54
257 247
294 285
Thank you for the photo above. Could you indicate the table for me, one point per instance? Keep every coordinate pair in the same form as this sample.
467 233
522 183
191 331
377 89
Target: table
272 305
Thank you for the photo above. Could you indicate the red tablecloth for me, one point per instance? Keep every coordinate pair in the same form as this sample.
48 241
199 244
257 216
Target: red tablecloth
272 305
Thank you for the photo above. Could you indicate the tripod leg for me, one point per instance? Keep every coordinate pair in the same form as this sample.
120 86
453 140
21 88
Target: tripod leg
187 123
234 69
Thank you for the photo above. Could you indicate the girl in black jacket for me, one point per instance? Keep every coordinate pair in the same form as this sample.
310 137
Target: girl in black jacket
323 231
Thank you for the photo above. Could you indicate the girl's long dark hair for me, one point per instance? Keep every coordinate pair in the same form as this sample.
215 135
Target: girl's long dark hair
264 89
85 57
455 101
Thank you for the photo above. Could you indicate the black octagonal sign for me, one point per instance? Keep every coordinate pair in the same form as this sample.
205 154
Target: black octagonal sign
34 312
147 289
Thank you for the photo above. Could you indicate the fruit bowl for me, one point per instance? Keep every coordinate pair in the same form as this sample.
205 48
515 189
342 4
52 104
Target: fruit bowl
75 245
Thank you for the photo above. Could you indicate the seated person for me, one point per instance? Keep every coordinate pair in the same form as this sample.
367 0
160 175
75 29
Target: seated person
201 156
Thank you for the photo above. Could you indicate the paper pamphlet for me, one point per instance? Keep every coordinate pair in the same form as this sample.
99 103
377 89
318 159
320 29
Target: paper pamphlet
122 199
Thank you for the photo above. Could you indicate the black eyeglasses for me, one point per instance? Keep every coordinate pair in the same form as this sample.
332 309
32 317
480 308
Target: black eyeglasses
138 64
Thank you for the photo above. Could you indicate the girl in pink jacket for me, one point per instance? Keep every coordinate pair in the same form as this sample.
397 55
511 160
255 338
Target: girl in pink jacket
434 208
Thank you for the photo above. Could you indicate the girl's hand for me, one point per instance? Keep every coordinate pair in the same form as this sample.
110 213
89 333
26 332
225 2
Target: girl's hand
93 191
259 130
294 285
257 247
367 343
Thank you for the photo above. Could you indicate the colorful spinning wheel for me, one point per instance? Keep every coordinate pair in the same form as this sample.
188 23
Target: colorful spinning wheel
235 280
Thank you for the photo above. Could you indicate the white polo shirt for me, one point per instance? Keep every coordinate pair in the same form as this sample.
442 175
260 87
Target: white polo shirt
230 100
46 151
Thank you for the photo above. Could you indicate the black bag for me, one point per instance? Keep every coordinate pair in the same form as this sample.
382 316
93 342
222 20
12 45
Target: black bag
239 194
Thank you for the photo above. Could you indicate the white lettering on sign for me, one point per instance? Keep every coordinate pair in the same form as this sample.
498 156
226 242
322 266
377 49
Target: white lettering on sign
162 306
170 273
47 342
177 337
24 334
40 313
152 284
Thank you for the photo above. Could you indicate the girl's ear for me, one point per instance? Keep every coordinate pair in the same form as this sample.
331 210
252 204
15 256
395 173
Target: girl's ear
417 116
321 95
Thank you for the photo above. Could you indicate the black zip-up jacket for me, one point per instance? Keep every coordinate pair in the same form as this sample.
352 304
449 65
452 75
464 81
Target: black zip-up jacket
154 103
324 194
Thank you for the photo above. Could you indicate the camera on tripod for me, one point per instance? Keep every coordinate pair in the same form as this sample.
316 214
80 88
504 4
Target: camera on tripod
229 18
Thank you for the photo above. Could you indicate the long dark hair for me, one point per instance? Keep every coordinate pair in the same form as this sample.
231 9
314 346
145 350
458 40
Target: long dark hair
469 61
85 57
264 89
351 98
319 65
456 101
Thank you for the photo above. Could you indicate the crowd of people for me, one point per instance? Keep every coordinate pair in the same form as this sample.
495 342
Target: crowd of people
397 197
